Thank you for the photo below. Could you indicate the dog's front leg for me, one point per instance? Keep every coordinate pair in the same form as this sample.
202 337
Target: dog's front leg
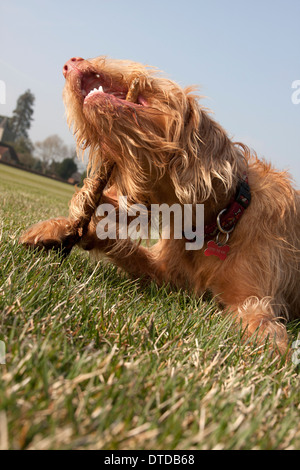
57 234
62 233
136 260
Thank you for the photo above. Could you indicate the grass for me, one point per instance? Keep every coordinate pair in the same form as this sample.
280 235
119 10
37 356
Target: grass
95 361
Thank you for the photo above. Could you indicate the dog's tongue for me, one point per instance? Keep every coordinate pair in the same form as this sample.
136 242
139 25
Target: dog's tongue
142 101
133 94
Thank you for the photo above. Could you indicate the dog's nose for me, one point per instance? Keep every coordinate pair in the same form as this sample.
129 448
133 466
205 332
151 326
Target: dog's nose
71 65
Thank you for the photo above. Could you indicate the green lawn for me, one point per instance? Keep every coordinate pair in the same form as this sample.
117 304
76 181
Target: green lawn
93 360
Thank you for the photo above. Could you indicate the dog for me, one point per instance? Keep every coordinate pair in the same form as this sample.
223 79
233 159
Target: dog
151 140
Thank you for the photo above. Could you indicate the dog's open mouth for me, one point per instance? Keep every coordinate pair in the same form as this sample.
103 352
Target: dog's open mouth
94 85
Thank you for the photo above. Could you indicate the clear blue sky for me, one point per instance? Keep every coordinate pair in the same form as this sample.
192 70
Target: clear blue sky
244 55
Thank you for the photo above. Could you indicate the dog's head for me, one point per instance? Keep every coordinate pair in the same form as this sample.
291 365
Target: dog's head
159 138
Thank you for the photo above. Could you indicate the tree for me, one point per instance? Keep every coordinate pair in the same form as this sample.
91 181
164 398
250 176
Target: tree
50 150
27 160
66 168
23 145
20 122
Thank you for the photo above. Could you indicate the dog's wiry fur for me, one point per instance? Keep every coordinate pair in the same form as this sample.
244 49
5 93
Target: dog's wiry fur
164 147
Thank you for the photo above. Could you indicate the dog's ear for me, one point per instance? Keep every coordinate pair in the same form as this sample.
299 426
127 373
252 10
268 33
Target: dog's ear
185 164
207 158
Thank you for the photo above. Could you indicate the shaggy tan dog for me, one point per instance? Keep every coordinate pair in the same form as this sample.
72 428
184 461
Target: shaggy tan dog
152 141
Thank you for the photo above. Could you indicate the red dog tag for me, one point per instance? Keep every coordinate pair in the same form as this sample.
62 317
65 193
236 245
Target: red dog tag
213 249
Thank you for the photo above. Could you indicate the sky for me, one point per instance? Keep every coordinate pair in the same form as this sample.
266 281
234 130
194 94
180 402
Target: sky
243 55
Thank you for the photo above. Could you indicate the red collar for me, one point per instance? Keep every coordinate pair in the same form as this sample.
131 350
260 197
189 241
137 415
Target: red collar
228 217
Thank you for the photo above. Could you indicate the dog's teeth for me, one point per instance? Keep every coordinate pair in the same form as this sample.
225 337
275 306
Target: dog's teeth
97 75
95 90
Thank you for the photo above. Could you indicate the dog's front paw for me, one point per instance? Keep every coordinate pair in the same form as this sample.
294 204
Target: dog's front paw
57 234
